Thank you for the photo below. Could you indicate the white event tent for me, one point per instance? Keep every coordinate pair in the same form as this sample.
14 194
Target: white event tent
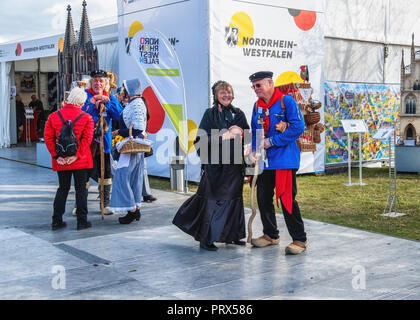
351 41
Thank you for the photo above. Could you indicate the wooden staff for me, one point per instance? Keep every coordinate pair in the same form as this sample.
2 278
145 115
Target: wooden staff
253 184
254 210
102 153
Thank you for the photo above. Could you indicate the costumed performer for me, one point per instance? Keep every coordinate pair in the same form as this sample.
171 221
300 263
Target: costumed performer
128 177
98 91
283 160
216 212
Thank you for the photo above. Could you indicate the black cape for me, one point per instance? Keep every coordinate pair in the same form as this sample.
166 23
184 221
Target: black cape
216 212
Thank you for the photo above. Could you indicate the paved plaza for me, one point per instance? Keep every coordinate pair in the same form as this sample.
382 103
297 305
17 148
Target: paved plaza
152 259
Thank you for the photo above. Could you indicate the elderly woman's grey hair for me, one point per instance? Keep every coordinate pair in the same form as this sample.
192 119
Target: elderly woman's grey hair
77 96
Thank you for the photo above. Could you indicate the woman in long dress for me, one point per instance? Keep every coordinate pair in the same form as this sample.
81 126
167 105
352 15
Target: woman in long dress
128 177
216 212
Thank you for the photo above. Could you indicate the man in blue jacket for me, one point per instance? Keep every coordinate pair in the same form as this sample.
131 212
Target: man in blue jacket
279 118
99 92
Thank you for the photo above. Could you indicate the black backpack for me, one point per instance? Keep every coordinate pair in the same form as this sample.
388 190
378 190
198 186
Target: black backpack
67 144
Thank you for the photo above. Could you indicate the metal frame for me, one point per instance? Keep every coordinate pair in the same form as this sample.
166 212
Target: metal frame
360 162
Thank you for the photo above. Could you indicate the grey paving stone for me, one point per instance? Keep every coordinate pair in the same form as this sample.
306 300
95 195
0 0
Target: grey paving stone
23 255
85 280
154 260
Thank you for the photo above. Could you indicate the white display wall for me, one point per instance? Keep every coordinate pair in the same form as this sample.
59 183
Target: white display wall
279 39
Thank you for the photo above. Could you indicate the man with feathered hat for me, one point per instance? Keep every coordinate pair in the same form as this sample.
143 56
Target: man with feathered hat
98 92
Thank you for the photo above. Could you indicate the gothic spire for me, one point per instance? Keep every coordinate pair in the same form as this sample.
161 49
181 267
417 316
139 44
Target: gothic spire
85 37
402 60
69 38
413 53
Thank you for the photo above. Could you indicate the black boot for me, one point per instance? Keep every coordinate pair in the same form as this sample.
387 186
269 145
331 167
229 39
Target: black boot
107 195
58 225
84 224
209 247
149 198
107 199
237 242
130 217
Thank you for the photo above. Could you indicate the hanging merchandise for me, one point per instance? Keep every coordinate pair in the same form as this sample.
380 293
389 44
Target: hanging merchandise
302 94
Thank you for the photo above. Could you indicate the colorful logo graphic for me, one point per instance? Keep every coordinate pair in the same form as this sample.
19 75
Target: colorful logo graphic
244 27
18 50
305 20
148 55
231 36
240 33
134 28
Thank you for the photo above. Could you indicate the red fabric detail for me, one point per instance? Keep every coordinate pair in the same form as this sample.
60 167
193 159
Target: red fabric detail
284 188
94 94
82 128
277 95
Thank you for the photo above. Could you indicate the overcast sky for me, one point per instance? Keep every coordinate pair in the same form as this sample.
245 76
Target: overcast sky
26 18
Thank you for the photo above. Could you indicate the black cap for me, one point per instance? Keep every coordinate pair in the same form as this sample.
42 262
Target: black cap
99 73
260 75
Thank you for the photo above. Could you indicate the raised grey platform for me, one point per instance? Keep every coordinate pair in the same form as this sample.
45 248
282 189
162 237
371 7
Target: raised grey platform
407 159
43 157
153 259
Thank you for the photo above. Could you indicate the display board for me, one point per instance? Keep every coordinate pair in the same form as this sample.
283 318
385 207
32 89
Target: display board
354 126
378 105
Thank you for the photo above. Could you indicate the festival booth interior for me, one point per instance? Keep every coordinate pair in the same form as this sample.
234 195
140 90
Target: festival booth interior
30 67
180 48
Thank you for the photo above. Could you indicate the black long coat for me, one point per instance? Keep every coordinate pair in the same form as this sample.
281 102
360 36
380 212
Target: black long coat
216 213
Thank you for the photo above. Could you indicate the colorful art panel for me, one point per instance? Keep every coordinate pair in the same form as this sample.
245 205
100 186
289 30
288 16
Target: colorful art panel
377 104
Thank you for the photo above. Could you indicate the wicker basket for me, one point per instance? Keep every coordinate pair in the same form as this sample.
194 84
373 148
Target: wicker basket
132 146
316 136
319 127
312 118
307 147
315 104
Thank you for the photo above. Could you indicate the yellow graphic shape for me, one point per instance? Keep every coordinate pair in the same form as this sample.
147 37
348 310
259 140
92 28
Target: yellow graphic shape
61 44
175 114
134 28
244 24
192 134
288 77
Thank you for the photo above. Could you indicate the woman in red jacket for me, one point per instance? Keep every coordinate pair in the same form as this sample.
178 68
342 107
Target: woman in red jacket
77 165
